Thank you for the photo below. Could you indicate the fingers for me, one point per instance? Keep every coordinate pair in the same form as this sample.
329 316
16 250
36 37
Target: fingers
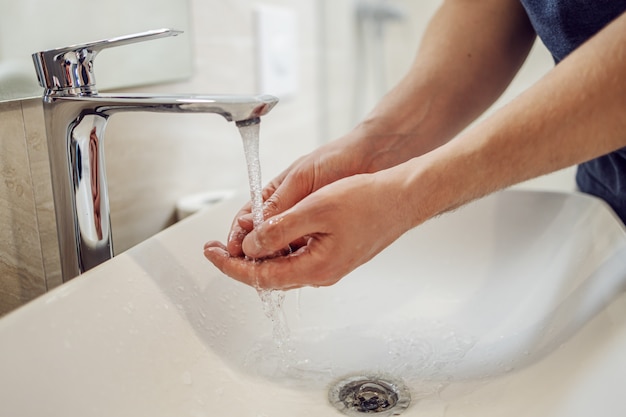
289 192
242 269
243 223
278 196
280 231
238 232
279 273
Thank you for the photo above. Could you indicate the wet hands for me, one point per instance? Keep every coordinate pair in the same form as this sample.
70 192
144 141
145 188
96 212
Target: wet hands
327 234
324 218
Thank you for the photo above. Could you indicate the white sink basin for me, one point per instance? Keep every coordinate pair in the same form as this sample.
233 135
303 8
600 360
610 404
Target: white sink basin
511 306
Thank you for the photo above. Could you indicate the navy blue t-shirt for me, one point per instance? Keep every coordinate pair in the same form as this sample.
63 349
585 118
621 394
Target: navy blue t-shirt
564 25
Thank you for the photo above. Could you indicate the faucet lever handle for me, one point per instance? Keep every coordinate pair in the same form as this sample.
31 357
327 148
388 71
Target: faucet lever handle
71 67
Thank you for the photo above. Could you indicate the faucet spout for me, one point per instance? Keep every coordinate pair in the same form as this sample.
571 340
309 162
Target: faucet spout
234 108
76 116
75 128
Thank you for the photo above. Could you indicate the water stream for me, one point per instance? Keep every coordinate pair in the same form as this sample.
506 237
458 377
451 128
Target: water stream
271 299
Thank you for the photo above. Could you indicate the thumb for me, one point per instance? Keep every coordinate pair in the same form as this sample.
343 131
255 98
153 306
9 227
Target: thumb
277 233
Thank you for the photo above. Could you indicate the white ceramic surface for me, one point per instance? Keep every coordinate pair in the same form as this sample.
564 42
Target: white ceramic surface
511 306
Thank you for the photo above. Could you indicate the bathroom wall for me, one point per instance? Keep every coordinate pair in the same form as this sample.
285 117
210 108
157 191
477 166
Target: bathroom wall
154 159
28 250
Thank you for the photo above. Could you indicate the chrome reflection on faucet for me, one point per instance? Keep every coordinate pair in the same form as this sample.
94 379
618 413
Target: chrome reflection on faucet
76 116
87 174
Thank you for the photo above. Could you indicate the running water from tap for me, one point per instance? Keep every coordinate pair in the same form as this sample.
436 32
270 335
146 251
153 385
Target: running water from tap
271 299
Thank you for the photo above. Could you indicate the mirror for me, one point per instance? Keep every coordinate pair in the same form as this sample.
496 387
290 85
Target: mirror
29 26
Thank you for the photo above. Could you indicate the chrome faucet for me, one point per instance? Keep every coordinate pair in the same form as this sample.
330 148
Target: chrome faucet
76 116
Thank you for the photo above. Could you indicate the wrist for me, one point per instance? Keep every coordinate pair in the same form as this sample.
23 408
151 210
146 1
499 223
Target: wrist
409 121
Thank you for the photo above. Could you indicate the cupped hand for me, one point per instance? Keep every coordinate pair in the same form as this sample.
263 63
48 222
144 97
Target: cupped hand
306 175
331 232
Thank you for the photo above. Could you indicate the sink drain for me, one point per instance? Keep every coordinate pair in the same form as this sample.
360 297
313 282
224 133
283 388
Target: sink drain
358 395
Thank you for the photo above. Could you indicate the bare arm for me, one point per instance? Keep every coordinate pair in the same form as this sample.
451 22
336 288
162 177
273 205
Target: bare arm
469 54
577 112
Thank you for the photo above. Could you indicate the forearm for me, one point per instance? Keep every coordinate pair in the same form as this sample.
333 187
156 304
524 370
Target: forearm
468 55
577 112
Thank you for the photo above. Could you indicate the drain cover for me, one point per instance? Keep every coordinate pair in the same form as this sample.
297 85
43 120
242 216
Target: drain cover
358 395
